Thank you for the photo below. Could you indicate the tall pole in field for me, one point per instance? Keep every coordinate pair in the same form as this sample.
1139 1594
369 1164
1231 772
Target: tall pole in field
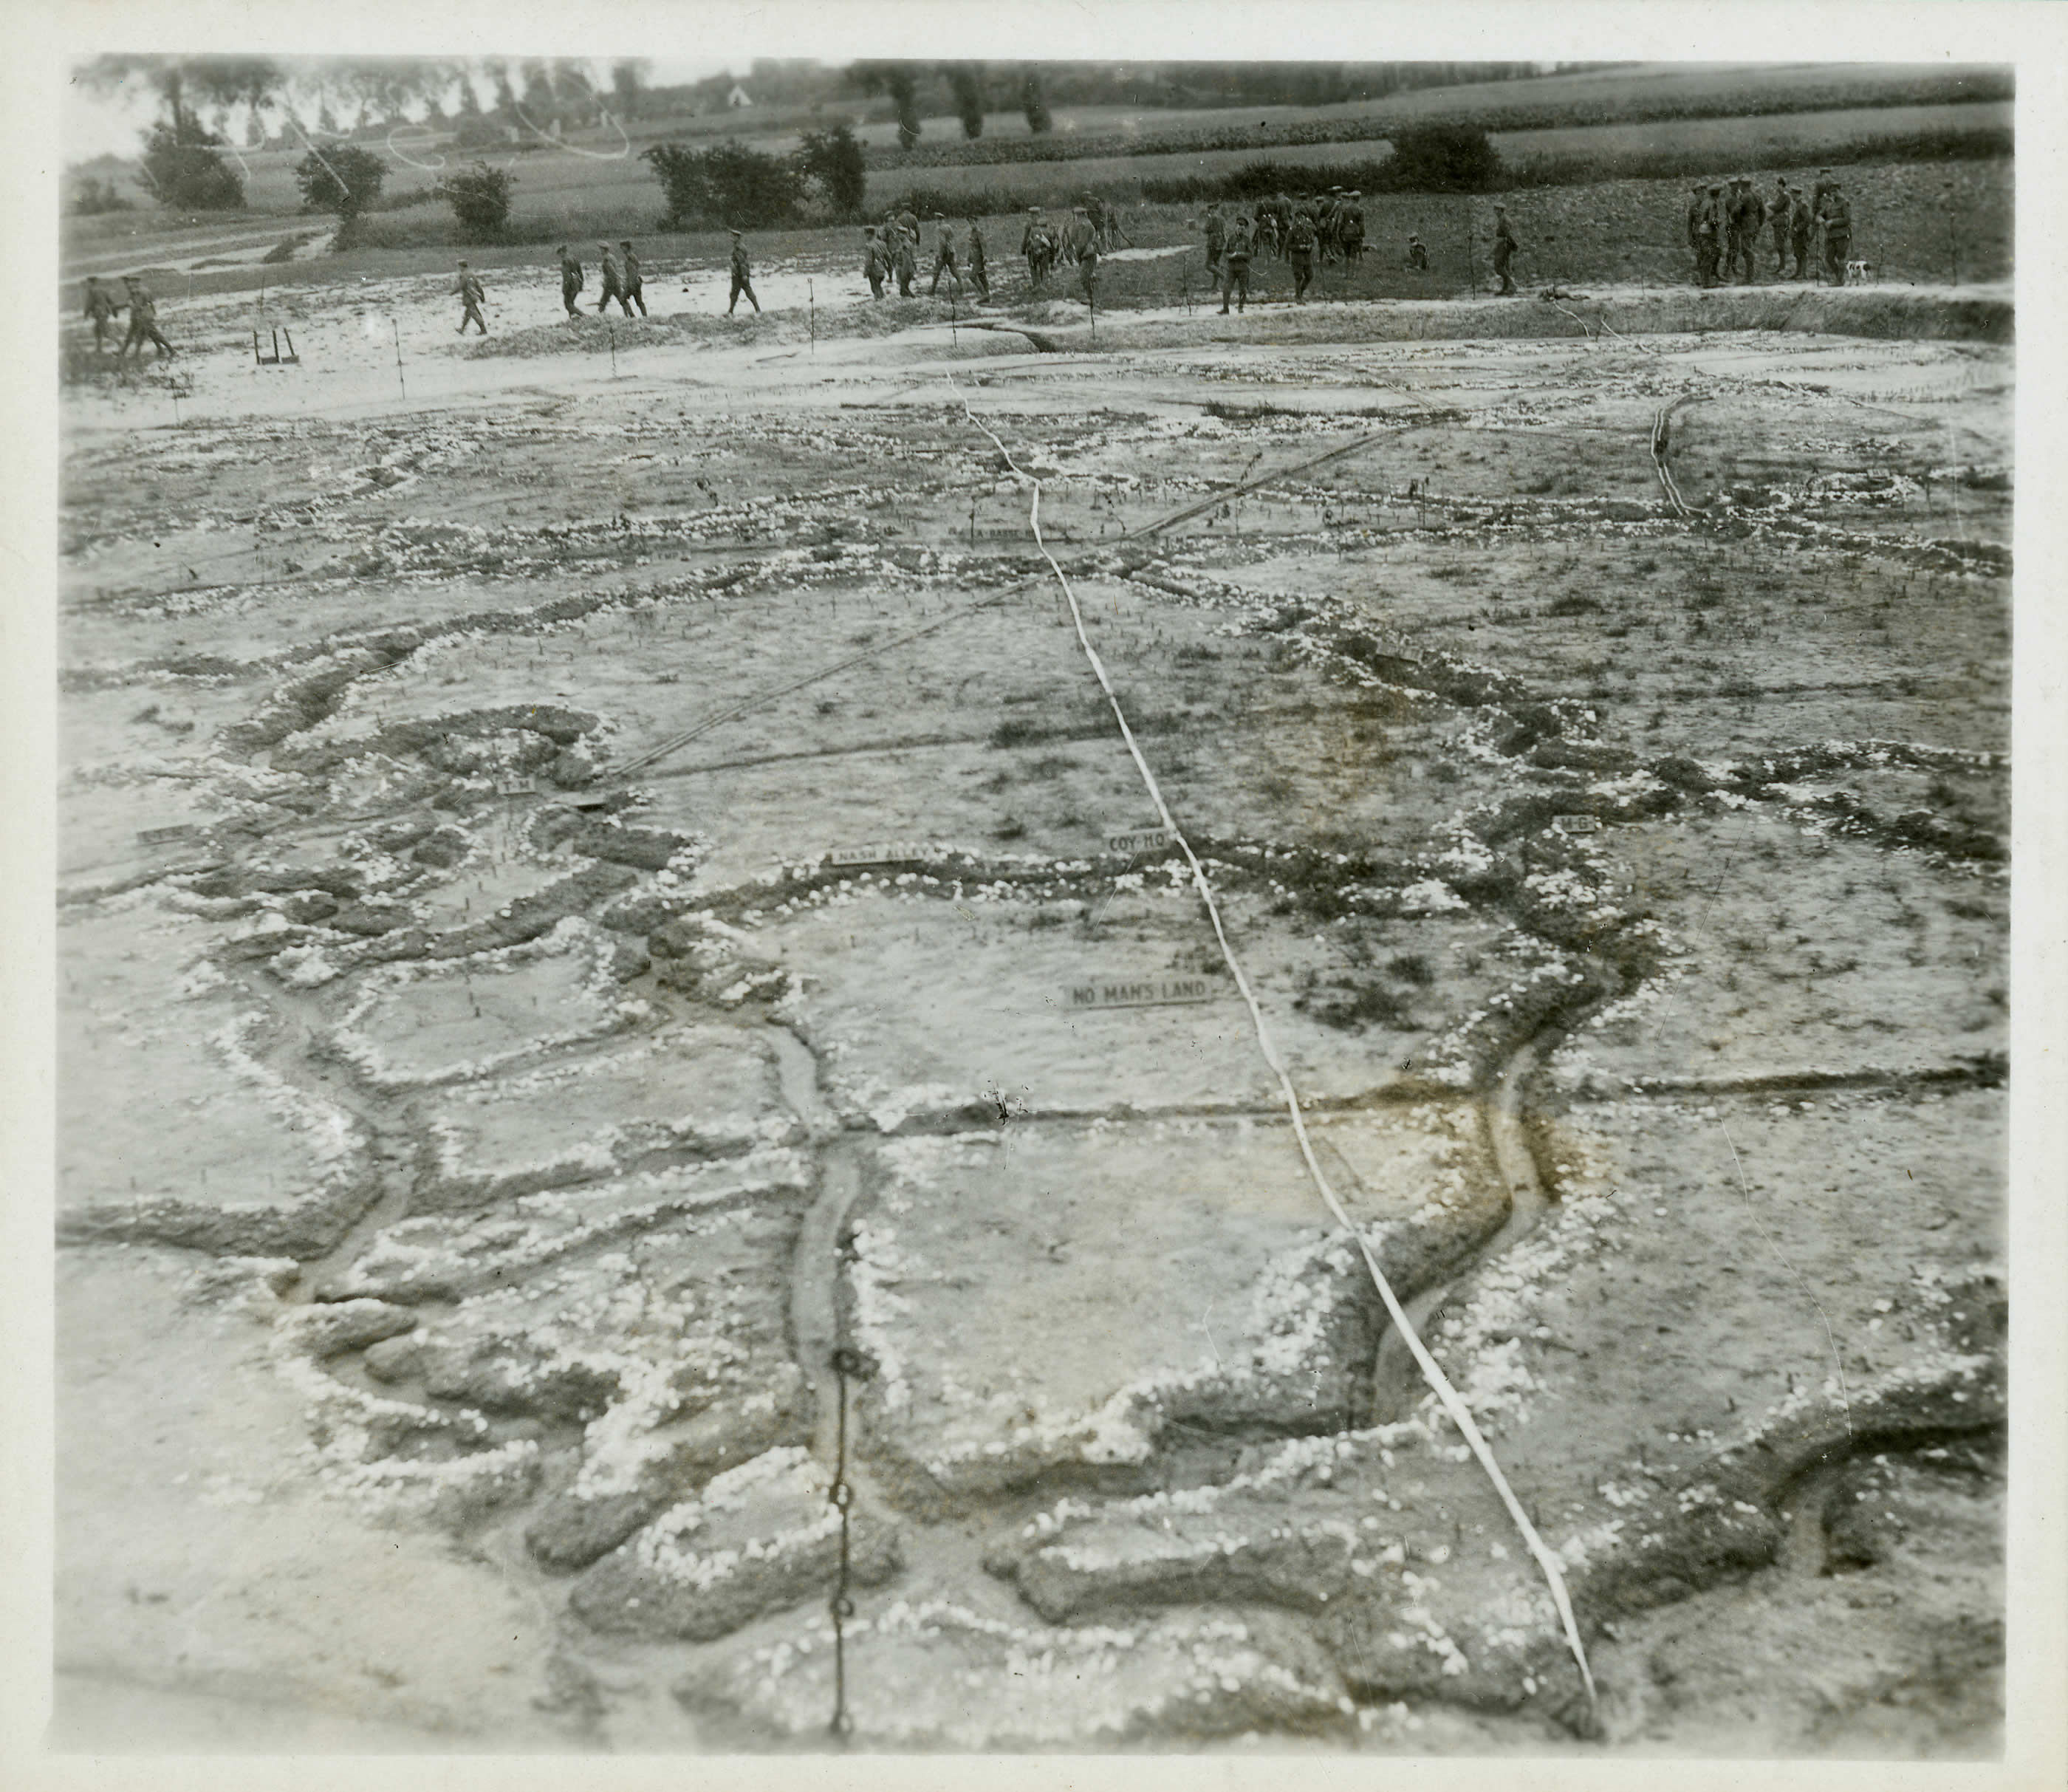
399 379
812 297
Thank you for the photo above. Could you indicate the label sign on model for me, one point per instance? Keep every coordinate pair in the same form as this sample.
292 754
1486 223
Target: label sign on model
894 852
157 836
1148 840
1144 991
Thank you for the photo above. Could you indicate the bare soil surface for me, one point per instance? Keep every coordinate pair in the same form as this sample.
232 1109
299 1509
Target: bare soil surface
586 891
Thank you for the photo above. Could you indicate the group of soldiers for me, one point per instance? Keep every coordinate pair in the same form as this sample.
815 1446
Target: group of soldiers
890 251
104 306
1725 219
623 279
1331 227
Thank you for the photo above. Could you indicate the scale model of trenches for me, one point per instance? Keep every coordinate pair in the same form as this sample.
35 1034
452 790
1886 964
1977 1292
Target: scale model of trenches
498 1143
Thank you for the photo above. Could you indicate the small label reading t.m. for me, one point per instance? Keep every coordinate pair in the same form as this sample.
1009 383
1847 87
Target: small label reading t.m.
888 852
1148 840
1144 991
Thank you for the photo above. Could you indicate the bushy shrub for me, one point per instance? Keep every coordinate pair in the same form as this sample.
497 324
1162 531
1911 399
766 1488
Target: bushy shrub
479 197
345 179
91 197
729 184
186 170
834 159
1443 158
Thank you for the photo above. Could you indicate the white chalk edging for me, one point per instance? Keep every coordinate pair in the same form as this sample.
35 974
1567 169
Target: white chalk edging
1431 1372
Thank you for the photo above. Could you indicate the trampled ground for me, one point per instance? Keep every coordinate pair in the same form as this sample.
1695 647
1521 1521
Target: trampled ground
487 1139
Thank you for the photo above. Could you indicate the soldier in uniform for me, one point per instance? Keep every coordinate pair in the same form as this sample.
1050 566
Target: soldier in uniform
571 281
874 266
1778 210
1351 227
908 221
470 295
1714 219
143 319
980 277
1300 251
905 258
103 307
1216 235
1235 265
635 280
1503 249
743 277
1800 219
1037 245
1697 219
1088 261
614 281
944 257
1817 192
1418 253
1750 214
1836 218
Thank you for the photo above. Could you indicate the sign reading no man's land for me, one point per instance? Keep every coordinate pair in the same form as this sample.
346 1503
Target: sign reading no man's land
1145 991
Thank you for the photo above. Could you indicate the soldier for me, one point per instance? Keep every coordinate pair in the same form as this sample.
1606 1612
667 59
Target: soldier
1748 214
635 280
571 281
614 281
1817 192
1235 265
874 264
143 321
101 308
1800 219
905 258
980 277
908 221
1697 219
1503 249
470 295
1418 255
1088 261
1300 251
742 279
1216 235
944 258
1350 226
1836 218
1714 220
1778 211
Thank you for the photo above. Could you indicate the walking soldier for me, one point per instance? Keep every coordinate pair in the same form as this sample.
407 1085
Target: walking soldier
635 281
874 263
1216 235
743 278
143 319
944 258
1504 248
101 308
979 277
614 281
571 281
470 295
1235 266
1300 251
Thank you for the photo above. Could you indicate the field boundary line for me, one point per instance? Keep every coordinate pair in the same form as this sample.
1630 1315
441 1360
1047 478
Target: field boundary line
1432 1372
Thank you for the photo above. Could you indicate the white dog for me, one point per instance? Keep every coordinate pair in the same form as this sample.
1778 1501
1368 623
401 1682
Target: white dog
1856 271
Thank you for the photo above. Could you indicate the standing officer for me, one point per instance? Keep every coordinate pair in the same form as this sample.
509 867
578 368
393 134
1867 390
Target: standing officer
1751 213
1235 265
905 257
979 277
101 308
143 319
470 296
1504 248
1300 251
743 278
1778 211
1836 218
635 281
571 281
1800 219
1351 225
1714 220
1216 235
944 257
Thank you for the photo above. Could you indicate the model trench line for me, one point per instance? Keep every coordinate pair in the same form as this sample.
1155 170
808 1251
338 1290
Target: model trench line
1432 1372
